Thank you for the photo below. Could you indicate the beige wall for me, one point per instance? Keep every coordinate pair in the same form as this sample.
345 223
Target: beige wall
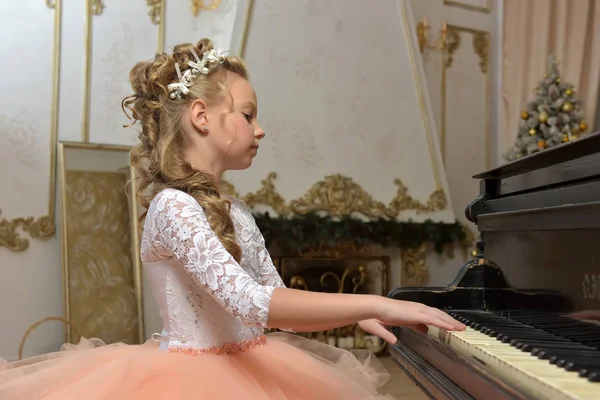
122 34
340 97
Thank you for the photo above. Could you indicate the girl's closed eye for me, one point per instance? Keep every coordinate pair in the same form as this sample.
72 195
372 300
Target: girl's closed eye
249 117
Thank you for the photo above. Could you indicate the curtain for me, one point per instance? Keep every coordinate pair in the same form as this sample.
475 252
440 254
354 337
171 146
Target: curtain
534 29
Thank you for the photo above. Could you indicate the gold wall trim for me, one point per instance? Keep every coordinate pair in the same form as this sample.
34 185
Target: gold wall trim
453 3
136 260
197 5
247 22
87 71
97 7
414 270
338 196
453 45
481 43
155 10
42 227
157 16
481 46
421 94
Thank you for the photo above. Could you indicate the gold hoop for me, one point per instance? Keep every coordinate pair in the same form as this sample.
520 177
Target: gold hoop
35 325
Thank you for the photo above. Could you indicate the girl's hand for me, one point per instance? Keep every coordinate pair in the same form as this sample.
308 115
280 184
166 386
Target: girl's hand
375 327
409 314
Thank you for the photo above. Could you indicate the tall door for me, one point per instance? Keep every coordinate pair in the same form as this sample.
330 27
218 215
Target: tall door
463 79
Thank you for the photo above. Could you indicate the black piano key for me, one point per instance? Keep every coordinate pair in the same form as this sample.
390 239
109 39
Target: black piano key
594 375
528 346
560 356
580 363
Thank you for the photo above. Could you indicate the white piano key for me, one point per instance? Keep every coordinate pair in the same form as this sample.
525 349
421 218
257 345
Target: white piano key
538 378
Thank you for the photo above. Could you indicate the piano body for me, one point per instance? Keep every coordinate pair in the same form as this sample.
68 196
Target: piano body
530 298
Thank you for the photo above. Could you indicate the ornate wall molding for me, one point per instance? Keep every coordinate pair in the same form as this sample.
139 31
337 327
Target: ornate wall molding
338 196
97 7
42 227
198 5
155 11
481 46
414 270
453 44
471 7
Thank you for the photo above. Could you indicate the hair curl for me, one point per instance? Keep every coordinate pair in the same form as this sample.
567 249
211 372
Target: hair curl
158 159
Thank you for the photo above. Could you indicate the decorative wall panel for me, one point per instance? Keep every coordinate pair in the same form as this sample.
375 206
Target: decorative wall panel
120 36
28 128
101 266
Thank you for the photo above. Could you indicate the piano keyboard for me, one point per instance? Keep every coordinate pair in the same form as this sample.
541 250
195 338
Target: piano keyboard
546 355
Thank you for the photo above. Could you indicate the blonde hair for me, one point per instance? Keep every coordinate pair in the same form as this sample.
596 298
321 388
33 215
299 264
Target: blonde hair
158 159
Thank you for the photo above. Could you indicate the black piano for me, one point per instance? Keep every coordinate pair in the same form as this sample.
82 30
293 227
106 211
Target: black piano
530 297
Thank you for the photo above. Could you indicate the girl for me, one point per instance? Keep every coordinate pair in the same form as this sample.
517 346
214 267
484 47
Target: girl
211 274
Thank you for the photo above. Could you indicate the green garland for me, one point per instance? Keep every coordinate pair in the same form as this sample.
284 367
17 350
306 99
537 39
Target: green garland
302 232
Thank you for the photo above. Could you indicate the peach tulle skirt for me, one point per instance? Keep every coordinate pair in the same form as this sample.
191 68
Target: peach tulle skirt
286 367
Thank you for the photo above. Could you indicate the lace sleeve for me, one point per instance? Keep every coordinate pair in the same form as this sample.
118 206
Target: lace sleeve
267 273
181 227
265 270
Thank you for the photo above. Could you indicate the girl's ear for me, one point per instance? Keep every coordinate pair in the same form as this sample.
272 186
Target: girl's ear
198 115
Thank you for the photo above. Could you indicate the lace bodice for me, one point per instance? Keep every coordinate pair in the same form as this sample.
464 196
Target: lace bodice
205 297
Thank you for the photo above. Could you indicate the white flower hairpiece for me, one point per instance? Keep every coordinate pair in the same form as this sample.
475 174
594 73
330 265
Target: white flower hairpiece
200 66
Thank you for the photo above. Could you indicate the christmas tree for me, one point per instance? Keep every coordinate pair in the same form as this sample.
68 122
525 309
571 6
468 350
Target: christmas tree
554 116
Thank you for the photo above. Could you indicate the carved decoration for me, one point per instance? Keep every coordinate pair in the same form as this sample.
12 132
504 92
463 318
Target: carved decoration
198 5
267 195
453 43
481 45
155 10
41 228
403 201
51 3
338 196
97 7
414 271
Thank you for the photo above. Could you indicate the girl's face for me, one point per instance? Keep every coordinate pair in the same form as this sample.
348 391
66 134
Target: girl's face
233 130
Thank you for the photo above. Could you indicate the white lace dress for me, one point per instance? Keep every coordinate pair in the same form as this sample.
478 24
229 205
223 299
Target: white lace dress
213 345
206 299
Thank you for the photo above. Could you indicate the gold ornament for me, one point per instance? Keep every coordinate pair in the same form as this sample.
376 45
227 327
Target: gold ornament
565 138
557 80
567 106
545 75
474 253
541 144
543 116
524 115
569 92
532 131
583 127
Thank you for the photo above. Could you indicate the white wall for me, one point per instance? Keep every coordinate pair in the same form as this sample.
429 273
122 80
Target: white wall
31 283
338 98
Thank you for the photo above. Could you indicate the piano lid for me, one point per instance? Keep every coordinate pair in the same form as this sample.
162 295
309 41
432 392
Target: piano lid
565 152
560 167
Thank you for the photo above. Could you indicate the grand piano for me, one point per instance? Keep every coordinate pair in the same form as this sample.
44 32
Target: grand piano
530 297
